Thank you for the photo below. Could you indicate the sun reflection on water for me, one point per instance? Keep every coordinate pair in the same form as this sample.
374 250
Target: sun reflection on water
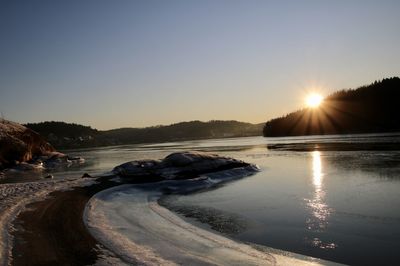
320 211
317 170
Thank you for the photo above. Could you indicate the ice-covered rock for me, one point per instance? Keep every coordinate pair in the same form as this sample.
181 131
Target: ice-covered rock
179 165
57 159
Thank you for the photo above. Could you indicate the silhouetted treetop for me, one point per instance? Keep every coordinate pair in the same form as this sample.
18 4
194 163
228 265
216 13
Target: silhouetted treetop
61 129
367 109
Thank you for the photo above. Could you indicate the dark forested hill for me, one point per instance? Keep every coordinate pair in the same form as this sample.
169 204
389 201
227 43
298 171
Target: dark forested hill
61 129
368 109
64 135
185 130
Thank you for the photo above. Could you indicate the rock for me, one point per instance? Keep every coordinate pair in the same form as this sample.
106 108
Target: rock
86 175
20 144
23 166
78 160
58 159
136 168
22 149
180 165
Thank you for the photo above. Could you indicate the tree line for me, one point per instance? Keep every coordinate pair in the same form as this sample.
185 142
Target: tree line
67 135
368 109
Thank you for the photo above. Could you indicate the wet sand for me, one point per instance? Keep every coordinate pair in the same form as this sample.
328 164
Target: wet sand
52 232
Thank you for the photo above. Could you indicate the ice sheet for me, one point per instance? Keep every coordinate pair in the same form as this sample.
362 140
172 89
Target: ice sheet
129 221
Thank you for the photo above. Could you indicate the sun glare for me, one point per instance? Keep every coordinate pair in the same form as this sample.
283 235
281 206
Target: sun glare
314 100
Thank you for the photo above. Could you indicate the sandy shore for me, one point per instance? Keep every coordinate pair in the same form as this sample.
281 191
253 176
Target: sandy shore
52 232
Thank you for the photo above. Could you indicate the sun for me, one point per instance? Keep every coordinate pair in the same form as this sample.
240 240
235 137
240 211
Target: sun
314 100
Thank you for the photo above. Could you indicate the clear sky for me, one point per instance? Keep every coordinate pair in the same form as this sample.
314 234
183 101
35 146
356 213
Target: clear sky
113 64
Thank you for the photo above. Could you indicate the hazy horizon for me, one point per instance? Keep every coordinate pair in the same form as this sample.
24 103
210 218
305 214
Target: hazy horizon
145 126
144 63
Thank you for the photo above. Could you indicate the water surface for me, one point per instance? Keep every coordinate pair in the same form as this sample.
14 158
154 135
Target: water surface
342 206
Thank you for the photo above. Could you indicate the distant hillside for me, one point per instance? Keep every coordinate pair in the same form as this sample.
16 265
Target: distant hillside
65 135
62 129
368 109
62 135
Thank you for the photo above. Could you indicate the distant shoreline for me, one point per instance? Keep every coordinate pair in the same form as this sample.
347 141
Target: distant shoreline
68 135
321 146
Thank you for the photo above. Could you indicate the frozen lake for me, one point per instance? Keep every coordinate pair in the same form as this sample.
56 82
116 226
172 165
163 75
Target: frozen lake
338 205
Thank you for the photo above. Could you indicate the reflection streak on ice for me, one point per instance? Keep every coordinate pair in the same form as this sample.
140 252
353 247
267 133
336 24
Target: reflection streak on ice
319 209
317 170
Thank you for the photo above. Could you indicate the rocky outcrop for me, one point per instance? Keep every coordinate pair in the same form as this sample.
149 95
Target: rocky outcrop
20 144
180 165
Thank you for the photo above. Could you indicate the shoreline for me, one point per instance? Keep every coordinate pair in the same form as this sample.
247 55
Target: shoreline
14 199
52 231
47 228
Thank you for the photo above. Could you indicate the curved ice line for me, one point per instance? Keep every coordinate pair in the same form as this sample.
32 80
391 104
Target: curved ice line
129 221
